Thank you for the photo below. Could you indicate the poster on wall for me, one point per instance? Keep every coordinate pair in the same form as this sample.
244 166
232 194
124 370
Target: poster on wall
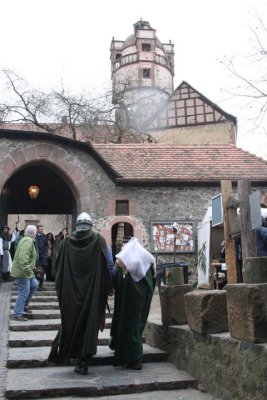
162 236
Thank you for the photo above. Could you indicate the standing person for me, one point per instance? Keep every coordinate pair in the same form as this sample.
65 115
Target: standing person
58 241
20 236
134 286
82 284
42 245
5 257
23 271
261 238
50 248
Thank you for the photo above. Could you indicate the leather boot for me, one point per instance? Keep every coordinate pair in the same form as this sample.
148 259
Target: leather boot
81 367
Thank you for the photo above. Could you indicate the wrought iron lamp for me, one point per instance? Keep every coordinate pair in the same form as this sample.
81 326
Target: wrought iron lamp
33 192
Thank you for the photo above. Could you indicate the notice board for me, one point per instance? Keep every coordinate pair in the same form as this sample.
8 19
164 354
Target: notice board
162 236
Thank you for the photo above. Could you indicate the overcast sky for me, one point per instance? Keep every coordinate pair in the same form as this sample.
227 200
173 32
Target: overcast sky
46 41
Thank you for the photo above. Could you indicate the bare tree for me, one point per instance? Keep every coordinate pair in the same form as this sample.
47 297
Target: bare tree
252 83
84 117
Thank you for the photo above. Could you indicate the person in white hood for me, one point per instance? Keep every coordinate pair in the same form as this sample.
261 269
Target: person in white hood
134 286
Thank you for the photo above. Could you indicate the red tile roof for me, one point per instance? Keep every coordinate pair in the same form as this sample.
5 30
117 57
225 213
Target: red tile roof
182 163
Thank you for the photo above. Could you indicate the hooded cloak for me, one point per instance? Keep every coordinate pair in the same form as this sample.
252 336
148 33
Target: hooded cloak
82 284
136 259
134 286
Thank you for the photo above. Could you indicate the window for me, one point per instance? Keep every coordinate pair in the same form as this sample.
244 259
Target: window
146 47
146 73
122 207
118 55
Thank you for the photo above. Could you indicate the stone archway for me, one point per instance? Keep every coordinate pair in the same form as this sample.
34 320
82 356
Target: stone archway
137 230
49 156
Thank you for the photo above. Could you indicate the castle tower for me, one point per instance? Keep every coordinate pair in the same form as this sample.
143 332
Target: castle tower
142 71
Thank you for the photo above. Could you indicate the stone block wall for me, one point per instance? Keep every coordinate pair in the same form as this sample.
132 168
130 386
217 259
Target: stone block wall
247 311
228 368
206 311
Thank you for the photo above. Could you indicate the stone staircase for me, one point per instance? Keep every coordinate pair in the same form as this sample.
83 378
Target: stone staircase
30 376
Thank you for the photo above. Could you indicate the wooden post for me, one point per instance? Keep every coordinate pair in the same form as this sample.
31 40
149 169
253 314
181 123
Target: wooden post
174 246
248 239
230 252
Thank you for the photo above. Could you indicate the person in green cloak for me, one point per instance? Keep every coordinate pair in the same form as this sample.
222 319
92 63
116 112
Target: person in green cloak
134 286
82 284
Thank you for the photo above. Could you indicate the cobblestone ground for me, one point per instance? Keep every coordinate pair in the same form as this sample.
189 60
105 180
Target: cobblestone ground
5 293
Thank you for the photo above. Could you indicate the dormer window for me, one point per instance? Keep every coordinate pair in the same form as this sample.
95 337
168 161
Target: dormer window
146 47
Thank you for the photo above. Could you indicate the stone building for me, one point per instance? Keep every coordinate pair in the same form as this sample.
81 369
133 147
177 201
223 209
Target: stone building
142 72
130 188
124 187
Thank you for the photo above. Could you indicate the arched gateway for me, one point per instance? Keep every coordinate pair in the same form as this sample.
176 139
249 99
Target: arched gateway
56 192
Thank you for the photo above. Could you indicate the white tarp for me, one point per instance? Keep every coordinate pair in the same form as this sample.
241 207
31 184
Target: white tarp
204 229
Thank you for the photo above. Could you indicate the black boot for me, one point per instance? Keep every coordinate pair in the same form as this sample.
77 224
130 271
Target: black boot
81 367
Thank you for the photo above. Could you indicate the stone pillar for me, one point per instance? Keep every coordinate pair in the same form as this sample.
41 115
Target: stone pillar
247 312
206 311
174 276
172 304
255 270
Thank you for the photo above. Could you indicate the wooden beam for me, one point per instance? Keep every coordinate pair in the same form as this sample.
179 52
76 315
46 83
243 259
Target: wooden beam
248 239
230 252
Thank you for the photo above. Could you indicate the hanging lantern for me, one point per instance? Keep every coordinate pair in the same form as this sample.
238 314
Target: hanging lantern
33 192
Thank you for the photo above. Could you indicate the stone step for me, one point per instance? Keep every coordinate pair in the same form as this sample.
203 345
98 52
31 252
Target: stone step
37 293
44 314
38 305
29 357
49 313
46 299
45 338
182 394
41 325
47 286
33 383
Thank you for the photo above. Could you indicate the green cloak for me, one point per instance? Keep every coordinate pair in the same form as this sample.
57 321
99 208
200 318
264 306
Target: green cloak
131 309
82 284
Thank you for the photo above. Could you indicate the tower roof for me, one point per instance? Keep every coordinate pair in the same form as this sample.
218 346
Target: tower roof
140 25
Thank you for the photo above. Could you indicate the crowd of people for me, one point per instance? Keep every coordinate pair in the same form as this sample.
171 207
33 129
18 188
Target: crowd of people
46 250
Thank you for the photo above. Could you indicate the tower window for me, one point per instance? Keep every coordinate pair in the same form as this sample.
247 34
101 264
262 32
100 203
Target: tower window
122 207
146 47
118 55
146 73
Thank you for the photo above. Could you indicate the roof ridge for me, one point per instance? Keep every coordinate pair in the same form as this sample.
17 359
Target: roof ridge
153 145
252 154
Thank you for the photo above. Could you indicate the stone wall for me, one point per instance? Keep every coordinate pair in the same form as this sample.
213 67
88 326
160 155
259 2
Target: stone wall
219 133
228 368
51 223
168 204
